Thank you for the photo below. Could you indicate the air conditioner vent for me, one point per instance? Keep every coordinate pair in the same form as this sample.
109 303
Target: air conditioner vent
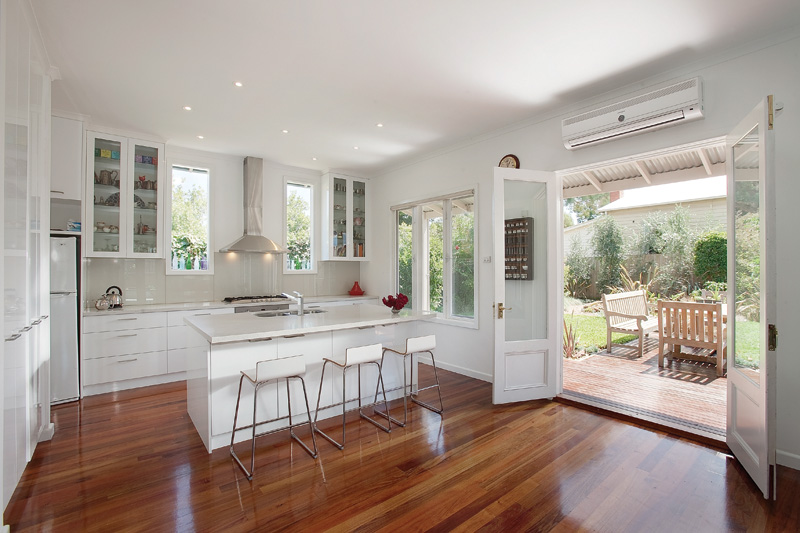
683 100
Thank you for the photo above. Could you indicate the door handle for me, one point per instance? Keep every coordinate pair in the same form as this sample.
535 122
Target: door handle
501 309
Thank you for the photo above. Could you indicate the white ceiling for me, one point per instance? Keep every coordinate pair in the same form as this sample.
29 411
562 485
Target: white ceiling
433 72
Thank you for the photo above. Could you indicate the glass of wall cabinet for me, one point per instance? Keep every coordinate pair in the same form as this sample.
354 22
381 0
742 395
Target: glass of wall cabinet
359 219
145 199
340 195
106 209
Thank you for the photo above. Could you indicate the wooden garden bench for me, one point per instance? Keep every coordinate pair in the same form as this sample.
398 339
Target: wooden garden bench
691 324
626 312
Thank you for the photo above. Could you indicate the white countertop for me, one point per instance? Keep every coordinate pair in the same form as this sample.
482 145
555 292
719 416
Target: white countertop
192 306
218 329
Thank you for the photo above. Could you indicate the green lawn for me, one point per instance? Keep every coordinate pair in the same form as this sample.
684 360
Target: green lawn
591 331
747 343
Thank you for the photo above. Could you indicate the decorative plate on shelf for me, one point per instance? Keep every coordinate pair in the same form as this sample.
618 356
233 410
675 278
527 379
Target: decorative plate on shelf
139 202
113 200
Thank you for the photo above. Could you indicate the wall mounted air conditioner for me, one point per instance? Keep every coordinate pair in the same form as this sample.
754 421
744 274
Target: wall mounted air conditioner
676 104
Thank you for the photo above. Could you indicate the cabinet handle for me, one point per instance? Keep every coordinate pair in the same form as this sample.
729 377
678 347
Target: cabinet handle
201 314
260 340
26 328
44 317
128 335
37 321
57 192
294 336
13 337
128 360
366 327
132 318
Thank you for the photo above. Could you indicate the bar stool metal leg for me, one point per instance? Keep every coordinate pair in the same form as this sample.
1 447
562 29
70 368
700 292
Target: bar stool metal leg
276 372
363 415
436 410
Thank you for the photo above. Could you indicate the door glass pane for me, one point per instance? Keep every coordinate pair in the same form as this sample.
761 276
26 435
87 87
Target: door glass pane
462 232
359 222
433 213
145 203
526 252
405 267
339 217
747 299
106 195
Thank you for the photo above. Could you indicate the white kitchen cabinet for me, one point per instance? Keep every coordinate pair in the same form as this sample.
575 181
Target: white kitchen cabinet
182 339
124 208
66 159
121 347
312 348
345 218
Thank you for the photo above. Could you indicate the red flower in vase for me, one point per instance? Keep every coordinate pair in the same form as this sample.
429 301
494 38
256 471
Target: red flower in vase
396 302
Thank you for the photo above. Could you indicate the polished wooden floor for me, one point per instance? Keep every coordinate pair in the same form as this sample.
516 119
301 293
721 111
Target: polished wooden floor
684 394
131 461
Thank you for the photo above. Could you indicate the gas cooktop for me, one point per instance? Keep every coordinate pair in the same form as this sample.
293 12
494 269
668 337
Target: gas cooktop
254 299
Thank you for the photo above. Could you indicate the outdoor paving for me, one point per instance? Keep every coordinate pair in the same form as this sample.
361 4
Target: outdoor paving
684 394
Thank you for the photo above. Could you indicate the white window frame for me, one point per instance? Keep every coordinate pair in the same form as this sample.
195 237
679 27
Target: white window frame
314 186
168 219
419 239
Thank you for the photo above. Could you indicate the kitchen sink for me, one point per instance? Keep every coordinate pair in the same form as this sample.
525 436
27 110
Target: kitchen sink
267 314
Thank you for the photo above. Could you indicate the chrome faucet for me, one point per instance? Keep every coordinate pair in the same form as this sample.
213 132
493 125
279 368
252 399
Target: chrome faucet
298 299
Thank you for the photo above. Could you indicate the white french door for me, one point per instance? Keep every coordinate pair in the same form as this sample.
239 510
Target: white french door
527 287
752 335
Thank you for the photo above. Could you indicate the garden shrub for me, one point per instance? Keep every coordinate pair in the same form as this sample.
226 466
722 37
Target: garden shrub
711 257
677 272
577 270
607 244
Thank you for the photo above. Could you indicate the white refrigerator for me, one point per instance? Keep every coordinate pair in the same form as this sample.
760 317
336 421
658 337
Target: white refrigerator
64 375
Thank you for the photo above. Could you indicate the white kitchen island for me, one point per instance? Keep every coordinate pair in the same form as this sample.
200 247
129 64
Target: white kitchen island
235 342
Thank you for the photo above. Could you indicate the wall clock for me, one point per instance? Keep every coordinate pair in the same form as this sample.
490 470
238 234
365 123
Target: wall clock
509 161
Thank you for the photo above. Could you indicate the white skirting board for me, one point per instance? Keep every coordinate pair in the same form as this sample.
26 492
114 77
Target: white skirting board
457 369
788 459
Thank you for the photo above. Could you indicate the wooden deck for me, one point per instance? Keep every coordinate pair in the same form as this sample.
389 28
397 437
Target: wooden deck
684 394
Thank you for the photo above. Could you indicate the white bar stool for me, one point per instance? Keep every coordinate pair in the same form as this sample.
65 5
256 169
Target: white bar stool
414 345
362 355
266 371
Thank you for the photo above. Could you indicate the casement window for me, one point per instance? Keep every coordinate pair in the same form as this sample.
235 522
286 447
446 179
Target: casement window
189 212
299 227
436 258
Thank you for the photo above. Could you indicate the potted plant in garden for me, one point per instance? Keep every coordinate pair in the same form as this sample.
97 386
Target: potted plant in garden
396 303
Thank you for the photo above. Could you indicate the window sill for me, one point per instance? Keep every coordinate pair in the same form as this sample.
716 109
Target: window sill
469 323
299 272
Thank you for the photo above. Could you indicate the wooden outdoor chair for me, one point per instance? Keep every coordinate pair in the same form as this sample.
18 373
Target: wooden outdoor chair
626 312
691 324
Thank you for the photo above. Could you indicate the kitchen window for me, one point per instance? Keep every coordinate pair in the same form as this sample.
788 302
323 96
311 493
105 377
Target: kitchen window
189 212
299 227
436 255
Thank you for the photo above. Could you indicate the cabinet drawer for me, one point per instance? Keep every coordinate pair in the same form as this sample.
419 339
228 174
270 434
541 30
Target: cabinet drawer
184 337
119 368
115 322
176 359
110 343
175 318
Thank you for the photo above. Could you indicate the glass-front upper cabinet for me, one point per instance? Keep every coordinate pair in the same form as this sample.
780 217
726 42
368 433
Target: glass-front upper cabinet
344 218
123 208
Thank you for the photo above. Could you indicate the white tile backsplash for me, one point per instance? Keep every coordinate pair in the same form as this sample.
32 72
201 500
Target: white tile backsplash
144 281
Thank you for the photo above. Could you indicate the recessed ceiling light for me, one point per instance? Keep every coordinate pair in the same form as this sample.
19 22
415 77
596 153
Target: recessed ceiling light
200 137
237 83
355 147
187 108
313 158
379 124
285 131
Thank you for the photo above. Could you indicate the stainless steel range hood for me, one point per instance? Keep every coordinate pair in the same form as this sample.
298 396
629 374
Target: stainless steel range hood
253 240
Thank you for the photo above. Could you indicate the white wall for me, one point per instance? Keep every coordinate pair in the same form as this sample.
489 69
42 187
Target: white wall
144 281
733 85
